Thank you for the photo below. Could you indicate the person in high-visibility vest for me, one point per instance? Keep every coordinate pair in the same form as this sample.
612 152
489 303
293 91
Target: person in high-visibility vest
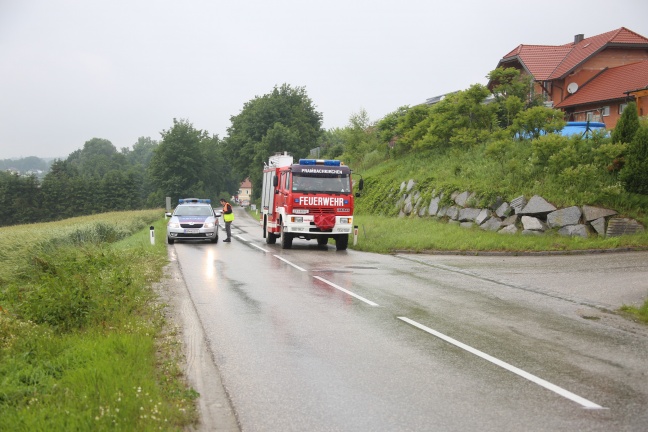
228 217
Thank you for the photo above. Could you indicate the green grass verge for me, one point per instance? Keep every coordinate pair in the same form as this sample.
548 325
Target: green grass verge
84 344
384 234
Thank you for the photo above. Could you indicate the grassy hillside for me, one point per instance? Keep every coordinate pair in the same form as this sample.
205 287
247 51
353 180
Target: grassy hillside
516 171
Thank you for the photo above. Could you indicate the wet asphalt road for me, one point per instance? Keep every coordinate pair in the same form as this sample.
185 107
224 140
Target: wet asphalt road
312 339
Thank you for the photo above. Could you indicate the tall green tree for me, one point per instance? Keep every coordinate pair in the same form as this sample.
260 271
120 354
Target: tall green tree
19 199
285 112
627 125
142 151
187 162
361 137
513 92
634 174
66 193
97 157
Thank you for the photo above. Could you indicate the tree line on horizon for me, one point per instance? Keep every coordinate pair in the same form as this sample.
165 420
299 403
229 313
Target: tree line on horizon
191 162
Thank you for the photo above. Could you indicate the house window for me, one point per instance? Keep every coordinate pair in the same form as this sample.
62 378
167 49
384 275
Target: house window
590 116
605 111
622 107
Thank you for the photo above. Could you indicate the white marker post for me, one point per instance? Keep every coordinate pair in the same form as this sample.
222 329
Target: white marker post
152 235
355 235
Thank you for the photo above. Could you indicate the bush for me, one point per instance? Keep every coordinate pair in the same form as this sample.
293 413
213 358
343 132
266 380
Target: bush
635 172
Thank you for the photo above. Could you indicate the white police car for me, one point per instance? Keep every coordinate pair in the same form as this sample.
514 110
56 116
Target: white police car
193 219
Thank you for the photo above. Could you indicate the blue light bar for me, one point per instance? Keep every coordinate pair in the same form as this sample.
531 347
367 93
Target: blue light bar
194 200
326 162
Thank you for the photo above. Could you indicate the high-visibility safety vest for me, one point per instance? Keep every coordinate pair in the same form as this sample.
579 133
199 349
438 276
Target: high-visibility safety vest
228 217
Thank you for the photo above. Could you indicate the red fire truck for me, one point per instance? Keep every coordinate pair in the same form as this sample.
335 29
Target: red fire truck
309 200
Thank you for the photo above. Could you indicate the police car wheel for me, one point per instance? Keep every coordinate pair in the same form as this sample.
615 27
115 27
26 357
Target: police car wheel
170 240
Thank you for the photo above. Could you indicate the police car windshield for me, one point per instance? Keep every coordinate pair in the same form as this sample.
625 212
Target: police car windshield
189 210
319 183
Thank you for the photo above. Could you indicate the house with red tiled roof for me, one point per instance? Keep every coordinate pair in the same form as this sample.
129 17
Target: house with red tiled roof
590 78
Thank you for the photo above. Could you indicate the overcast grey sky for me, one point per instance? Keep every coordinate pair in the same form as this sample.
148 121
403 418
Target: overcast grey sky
73 70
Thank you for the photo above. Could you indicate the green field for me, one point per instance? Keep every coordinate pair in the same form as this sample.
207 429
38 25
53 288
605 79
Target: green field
84 344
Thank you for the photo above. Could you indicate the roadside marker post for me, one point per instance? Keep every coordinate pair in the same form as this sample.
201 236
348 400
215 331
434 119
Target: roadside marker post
152 234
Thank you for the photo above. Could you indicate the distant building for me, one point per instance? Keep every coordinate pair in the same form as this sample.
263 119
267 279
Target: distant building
245 192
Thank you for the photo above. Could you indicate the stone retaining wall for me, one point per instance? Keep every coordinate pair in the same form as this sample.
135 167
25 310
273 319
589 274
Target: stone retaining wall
532 217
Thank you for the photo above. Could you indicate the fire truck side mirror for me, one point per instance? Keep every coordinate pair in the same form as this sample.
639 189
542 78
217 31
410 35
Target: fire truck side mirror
361 184
275 181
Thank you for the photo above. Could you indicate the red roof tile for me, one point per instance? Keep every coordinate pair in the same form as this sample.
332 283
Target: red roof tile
539 60
610 85
548 62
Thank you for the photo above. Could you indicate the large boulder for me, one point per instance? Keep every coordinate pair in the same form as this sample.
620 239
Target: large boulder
468 214
407 208
492 224
462 198
531 223
518 204
483 216
503 210
510 229
591 213
622 226
496 203
537 206
453 213
511 220
564 217
410 185
434 206
579 230
599 226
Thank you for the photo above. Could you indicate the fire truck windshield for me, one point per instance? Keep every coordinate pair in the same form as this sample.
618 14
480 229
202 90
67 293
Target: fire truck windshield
321 183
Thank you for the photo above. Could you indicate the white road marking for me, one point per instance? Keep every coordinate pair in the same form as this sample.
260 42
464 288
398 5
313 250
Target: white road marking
369 302
554 388
241 238
259 247
289 263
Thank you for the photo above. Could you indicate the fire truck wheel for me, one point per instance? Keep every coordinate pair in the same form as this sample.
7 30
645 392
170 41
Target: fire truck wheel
322 240
286 239
341 242
270 238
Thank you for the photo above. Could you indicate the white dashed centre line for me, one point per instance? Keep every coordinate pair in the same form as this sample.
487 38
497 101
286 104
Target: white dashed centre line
546 384
289 263
369 302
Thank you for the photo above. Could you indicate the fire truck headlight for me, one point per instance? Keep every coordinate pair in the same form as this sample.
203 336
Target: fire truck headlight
297 219
345 220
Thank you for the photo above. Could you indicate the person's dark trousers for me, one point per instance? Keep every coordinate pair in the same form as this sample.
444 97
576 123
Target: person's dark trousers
228 231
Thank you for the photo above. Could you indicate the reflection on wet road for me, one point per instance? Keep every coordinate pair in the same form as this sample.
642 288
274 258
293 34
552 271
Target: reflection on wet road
310 338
